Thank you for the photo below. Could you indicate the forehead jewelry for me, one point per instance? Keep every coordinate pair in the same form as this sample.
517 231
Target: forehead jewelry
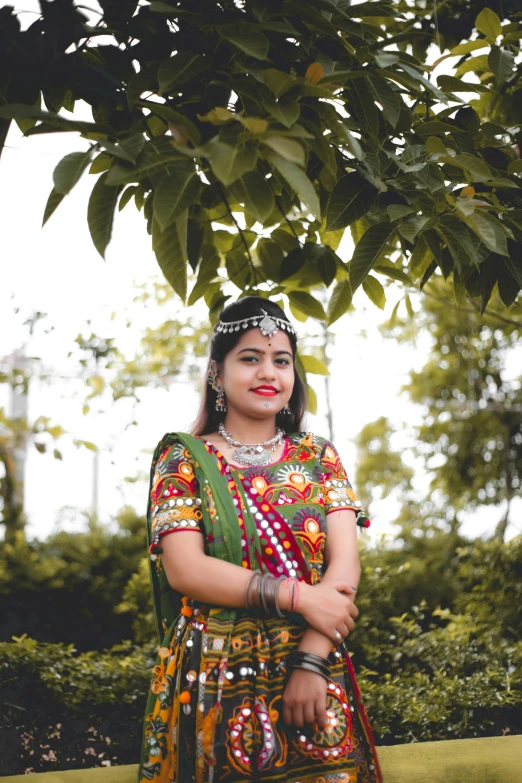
268 324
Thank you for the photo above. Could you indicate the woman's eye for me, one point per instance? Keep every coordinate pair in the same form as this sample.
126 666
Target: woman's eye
250 359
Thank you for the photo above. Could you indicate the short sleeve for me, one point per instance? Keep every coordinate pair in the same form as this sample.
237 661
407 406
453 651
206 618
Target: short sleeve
338 492
174 497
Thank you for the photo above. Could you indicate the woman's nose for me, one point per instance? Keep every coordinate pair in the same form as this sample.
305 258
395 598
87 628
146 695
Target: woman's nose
266 370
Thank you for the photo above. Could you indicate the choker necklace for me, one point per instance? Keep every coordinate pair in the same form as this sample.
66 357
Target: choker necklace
253 453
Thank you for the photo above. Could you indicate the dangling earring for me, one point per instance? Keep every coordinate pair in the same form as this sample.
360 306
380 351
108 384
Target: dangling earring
286 411
221 403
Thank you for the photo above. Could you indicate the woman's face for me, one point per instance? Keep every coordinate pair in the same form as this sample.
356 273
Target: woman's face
258 374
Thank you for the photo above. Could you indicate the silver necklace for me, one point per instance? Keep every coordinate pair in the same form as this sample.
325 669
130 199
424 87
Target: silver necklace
253 453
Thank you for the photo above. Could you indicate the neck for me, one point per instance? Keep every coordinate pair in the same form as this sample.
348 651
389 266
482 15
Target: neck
249 430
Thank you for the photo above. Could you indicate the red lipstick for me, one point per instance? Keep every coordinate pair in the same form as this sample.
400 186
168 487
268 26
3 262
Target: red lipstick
266 391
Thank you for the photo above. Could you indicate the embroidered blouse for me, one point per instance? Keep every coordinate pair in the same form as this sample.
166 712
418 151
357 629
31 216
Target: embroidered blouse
297 492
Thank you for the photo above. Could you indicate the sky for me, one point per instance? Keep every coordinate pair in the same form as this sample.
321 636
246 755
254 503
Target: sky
56 270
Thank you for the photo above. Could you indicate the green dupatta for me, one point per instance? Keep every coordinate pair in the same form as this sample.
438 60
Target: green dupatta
222 531
224 541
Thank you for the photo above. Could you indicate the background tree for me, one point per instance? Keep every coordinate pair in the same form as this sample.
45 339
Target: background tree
469 441
293 120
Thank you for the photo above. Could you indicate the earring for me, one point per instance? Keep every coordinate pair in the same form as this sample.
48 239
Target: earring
212 373
286 410
221 403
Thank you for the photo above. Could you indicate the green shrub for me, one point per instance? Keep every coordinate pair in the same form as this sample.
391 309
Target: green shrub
64 710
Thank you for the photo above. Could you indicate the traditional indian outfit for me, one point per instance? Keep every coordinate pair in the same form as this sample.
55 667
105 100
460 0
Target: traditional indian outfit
214 710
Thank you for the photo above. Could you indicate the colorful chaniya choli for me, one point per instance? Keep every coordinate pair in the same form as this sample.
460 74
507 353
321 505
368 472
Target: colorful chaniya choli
214 710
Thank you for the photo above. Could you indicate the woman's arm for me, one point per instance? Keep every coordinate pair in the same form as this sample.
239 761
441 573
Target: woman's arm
342 566
219 583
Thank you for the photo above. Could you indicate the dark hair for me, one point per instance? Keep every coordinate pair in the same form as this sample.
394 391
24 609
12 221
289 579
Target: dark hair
222 343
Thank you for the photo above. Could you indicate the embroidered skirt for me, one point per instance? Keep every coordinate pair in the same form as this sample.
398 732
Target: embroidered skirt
218 718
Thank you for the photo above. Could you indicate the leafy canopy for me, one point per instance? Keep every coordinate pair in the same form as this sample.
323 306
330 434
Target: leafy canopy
287 123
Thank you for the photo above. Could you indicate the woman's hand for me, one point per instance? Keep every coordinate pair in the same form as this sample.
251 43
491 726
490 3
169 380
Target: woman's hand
304 699
330 610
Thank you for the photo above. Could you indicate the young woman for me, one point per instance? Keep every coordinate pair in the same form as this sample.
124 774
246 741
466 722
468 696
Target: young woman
254 595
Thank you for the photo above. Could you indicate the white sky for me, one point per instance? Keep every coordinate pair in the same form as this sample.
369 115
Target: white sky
57 270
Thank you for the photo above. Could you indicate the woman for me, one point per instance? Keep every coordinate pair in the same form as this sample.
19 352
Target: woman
254 595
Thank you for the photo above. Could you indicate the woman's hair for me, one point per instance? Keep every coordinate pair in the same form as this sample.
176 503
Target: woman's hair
222 343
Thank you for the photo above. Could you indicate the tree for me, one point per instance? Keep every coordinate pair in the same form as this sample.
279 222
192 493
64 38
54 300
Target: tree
287 122
469 441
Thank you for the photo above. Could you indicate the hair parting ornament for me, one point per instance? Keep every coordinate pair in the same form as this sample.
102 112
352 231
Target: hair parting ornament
268 324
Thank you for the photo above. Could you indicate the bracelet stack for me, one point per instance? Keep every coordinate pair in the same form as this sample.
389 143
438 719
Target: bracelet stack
310 662
263 592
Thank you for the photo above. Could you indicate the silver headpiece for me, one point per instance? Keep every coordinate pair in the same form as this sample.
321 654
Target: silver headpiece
268 324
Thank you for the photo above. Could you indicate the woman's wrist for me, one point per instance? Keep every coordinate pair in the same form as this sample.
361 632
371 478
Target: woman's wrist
293 595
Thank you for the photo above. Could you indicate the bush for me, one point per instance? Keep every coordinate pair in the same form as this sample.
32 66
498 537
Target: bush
426 671
64 710
82 576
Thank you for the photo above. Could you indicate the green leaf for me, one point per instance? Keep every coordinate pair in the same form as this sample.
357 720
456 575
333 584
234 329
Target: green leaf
175 192
126 196
314 365
255 193
174 118
451 84
340 301
387 97
311 400
367 251
179 69
51 120
489 231
54 200
410 227
394 272
398 211
468 46
156 156
351 198
69 170
271 257
297 180
100 213
250 42
229 163
514 264
475 166
508 287
489 24
420 258
364 108
429 85
286 110
476 64
278 82
288 148
239 269
306 304
501 62
515 167
385 59
374 291
433 127
170 254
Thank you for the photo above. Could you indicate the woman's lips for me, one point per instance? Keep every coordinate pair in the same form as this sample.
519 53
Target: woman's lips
266 392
